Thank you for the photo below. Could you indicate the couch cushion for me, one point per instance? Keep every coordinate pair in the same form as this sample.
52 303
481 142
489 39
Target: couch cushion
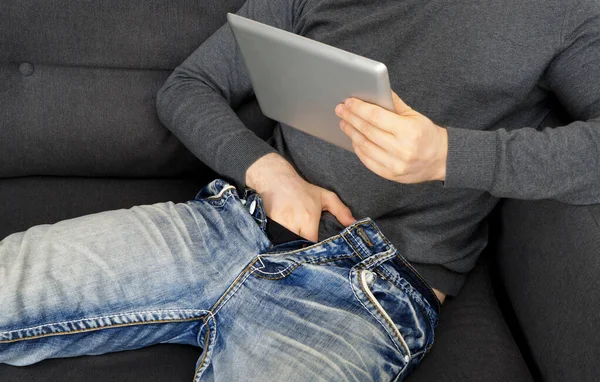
141 34
45 200
473 342
160 363
79 81
77 121
549 256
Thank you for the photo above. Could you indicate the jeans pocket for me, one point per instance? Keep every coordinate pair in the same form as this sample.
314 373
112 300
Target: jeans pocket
407 325
362 282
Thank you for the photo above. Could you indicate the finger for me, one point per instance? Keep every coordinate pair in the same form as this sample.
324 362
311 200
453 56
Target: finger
399 106
332 203
369 148
373 165
373 114
378 136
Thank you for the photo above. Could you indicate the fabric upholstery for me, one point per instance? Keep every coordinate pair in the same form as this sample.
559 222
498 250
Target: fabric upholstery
45 200
90 122
549 259
473 342
79 83
134 34
160 363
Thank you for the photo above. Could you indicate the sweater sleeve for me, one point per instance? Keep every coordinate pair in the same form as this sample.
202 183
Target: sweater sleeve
196 103
560 163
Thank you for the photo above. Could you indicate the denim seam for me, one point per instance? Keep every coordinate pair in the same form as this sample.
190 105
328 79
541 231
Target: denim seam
379 259
349 241
294 266
279 272
386 277
232 292
206 343
384 326
416 295
100 327
241 276
219 202
388 320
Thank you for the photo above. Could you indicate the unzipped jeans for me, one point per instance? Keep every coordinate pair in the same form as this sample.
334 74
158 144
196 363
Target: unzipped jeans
204 273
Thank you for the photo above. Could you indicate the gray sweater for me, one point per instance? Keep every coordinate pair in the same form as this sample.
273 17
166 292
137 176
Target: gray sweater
487 70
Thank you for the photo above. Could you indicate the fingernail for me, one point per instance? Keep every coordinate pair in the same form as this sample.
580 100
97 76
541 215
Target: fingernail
348 102
339 109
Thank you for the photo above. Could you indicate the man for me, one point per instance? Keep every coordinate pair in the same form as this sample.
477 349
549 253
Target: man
473 81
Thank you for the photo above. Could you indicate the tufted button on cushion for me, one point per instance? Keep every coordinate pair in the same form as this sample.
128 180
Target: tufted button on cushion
26 69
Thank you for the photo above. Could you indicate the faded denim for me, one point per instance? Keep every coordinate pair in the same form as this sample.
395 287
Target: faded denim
204 273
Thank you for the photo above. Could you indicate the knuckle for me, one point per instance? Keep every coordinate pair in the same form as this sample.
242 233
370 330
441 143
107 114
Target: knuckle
398 168
411 157
367 131
375 116
328 196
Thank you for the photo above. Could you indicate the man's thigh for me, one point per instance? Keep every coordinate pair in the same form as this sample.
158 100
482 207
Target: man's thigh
124 271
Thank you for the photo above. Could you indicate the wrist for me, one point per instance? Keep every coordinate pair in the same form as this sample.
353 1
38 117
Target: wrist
267 169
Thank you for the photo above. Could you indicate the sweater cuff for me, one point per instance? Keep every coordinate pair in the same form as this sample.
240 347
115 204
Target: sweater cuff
471 159
241 153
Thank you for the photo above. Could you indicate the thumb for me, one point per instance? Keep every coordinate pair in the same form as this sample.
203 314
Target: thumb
399 106
332 203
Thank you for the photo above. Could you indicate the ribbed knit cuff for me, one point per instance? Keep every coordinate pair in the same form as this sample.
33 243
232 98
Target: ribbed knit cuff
471 159
239 154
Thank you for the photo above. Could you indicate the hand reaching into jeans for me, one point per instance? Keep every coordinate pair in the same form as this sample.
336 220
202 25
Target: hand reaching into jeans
290 200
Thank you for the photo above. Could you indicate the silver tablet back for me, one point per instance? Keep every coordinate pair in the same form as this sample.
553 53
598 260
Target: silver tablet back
299 81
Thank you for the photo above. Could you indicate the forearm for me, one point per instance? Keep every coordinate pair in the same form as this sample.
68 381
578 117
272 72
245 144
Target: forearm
560 163
198 100
208 127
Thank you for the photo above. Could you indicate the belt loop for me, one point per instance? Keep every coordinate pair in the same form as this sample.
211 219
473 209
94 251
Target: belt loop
361 232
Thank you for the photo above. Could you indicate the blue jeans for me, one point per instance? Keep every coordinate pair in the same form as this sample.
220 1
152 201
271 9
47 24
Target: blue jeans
204 273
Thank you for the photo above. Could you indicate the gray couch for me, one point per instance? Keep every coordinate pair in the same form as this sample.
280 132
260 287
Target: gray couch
79 134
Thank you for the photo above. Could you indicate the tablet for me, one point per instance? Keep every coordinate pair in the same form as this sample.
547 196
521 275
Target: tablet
299 81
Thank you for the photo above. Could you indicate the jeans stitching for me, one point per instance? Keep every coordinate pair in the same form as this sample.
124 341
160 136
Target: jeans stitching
412 292
206 343
282 275
193 311
410 267
280 272
234 290
109 326
384 326
296 265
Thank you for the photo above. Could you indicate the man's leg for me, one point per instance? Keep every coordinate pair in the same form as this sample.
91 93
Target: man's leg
122 279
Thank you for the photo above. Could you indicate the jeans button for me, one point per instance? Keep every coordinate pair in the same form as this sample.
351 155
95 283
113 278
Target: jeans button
252 207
